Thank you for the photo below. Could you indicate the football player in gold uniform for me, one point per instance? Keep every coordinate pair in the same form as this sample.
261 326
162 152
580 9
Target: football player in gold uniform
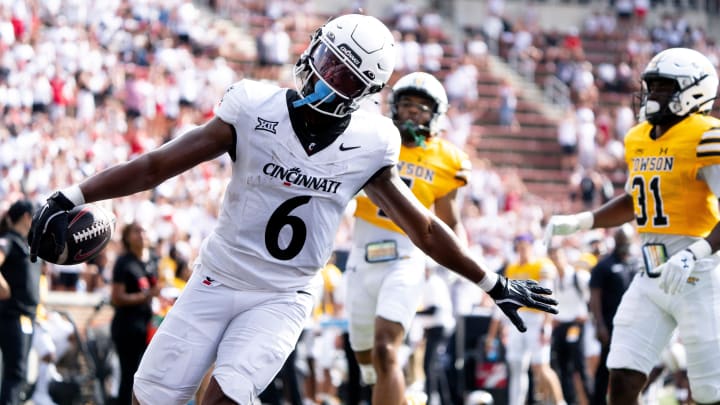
385 269
672 191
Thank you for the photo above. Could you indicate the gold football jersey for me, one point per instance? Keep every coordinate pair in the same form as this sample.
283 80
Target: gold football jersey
662 176
431 172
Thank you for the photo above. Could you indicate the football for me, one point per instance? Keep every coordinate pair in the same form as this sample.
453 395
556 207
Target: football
90 228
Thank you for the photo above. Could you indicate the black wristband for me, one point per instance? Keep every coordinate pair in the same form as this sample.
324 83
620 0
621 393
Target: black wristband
498 291
62 201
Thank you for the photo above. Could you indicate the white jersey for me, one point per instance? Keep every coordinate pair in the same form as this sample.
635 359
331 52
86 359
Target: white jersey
282 208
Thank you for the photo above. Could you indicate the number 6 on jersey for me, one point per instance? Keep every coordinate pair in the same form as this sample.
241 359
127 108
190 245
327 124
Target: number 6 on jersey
278 220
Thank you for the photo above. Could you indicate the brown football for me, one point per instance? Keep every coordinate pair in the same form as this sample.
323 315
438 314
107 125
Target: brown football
90 228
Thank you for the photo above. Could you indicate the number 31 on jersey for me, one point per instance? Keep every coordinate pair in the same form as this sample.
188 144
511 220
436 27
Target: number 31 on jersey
649 202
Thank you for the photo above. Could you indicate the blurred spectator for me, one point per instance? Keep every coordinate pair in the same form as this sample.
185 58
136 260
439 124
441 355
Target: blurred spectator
411 53
587 145
572 41
568 139
404 17
573 294
583 83
609 280
532 348
133 289
456 83
625 10
458 125
624 119
493 27
19 297
399 54
431 23
586 187
438 323
508 106
606 76
477 49
328 335
486 189
522 54
95 272
432 54
53 337
274 48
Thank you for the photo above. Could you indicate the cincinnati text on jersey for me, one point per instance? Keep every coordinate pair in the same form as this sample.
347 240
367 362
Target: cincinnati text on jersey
653 164
297 177
421 172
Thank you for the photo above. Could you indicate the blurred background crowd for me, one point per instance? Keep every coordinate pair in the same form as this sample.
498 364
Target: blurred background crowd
84 85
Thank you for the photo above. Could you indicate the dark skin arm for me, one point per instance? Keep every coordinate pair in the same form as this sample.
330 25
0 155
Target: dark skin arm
119 297
424 228
615 212
150 169
596 309
446 208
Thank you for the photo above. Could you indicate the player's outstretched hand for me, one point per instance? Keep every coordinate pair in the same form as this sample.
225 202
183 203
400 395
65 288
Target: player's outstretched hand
51 220
510 295
567 224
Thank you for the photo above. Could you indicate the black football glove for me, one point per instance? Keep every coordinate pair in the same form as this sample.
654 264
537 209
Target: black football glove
51 220
510 295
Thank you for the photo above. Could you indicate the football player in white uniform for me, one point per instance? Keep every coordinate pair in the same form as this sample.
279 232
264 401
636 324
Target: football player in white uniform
298 158
672 192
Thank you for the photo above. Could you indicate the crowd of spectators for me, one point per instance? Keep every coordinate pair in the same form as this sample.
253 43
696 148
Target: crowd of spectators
85 85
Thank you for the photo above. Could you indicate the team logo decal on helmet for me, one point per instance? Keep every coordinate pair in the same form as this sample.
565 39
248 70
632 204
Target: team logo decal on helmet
354 58
348 59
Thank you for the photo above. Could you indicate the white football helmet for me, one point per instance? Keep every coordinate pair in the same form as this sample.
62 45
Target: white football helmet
425 85
696 79
352 56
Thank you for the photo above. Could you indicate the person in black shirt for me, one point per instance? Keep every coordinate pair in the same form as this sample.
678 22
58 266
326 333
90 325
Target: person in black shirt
608 281
133 287
19 296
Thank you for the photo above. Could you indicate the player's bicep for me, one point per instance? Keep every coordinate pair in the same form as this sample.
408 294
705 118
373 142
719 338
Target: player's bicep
200 144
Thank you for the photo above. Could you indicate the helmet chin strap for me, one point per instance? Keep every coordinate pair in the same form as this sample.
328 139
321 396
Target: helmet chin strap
320 92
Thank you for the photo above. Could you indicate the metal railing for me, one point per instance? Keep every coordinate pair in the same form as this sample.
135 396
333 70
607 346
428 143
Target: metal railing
556 91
